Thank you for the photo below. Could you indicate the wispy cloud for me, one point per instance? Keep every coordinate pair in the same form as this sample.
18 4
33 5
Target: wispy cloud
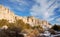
53 18
44 9
58 21
20 5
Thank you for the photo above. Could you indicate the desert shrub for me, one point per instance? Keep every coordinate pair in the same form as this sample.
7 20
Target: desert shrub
56 27
3 22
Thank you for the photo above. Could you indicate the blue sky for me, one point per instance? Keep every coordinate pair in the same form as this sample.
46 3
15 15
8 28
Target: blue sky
43 9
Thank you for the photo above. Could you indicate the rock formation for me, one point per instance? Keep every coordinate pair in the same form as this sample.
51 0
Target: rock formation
5 13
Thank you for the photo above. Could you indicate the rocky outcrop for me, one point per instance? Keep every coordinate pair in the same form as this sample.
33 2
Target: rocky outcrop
34 21
5 13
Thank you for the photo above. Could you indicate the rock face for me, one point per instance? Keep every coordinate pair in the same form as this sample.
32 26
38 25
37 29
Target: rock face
5 13
35 22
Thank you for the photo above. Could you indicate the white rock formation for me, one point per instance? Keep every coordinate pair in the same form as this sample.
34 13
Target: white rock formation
5 13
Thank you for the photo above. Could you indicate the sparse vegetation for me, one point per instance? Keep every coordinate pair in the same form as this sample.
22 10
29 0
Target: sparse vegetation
56 27
3 22
19 26
39 28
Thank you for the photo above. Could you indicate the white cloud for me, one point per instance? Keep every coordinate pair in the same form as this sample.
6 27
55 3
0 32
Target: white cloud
51 19
19 5
15 0
58 21
44 10
20 2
